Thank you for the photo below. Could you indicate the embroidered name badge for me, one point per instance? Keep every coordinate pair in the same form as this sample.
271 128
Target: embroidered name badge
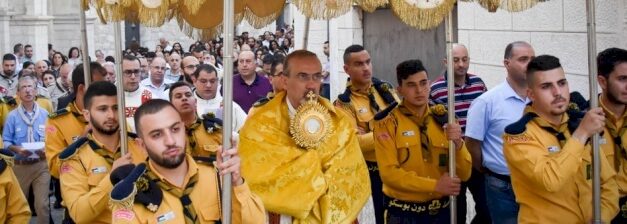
97 170
408 133
123 214
553 149
165 217
602 141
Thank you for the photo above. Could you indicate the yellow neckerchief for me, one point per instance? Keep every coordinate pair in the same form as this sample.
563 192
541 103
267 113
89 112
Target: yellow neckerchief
421 122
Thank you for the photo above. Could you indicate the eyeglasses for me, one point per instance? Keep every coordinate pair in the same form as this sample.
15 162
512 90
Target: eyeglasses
129 73
191 66
306 77
160 68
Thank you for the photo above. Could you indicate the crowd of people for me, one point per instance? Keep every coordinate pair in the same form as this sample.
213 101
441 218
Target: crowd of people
522 147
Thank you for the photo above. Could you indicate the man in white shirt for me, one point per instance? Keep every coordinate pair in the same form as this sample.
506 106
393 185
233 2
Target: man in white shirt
134 94
208 101
174 74
156 82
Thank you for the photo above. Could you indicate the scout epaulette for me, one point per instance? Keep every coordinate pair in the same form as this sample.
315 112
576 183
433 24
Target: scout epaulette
575 115
6 159
120 173
345 97
72 149
205 159
520 126
384 89
59 112
261 102
136 187
439 113
132 135
211 122
384 113
9 100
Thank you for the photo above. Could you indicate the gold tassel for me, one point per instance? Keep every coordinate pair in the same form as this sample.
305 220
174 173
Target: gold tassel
371 5
518 5
259 22
153 17
203 34
422 19
192 5
323 9
490 5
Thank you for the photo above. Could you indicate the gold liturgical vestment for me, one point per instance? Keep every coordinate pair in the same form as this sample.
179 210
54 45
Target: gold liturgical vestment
327 184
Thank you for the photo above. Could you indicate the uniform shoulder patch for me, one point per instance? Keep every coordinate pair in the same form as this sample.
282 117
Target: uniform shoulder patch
261 102
520 126
72 149
385 112
59 112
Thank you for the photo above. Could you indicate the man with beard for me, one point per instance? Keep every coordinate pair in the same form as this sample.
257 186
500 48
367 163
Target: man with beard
323 182
188 65
549 157
363 98
209 101
25 125
612 76
68 124
86 164
28 53
134 94
190 190
203 133
8 78
157 84
411 146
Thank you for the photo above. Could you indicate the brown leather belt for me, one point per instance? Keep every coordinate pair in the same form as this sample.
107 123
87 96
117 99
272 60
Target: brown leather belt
27 161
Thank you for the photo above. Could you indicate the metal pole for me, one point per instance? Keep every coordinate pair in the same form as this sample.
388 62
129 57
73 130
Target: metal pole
228 24
450 86
118 75
85 52
594 102
306 35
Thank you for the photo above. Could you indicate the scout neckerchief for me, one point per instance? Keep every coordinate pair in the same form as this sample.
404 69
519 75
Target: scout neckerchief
106 154
190 135
188 208
561 133
616 135
422 125
76 112
29 120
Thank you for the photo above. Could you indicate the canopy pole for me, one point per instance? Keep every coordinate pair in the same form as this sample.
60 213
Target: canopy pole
306 31
594 102
85 51
228 25
450 86
118 75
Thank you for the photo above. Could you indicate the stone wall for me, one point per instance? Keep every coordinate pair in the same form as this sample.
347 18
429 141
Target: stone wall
556 27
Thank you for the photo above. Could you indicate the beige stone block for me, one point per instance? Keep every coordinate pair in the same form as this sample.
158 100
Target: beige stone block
546 16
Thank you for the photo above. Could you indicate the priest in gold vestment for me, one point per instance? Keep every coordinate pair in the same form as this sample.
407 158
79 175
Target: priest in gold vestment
301 155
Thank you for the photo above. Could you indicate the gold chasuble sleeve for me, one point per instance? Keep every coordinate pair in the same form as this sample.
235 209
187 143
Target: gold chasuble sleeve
327 184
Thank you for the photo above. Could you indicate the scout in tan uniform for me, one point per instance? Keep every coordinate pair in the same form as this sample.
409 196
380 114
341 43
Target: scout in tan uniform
363 98
13 205
173 188
204 136
548 157
66 125
411 143
86 164
612 77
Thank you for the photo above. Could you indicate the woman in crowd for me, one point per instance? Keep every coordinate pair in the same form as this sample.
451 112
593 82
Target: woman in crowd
74 56
57 60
